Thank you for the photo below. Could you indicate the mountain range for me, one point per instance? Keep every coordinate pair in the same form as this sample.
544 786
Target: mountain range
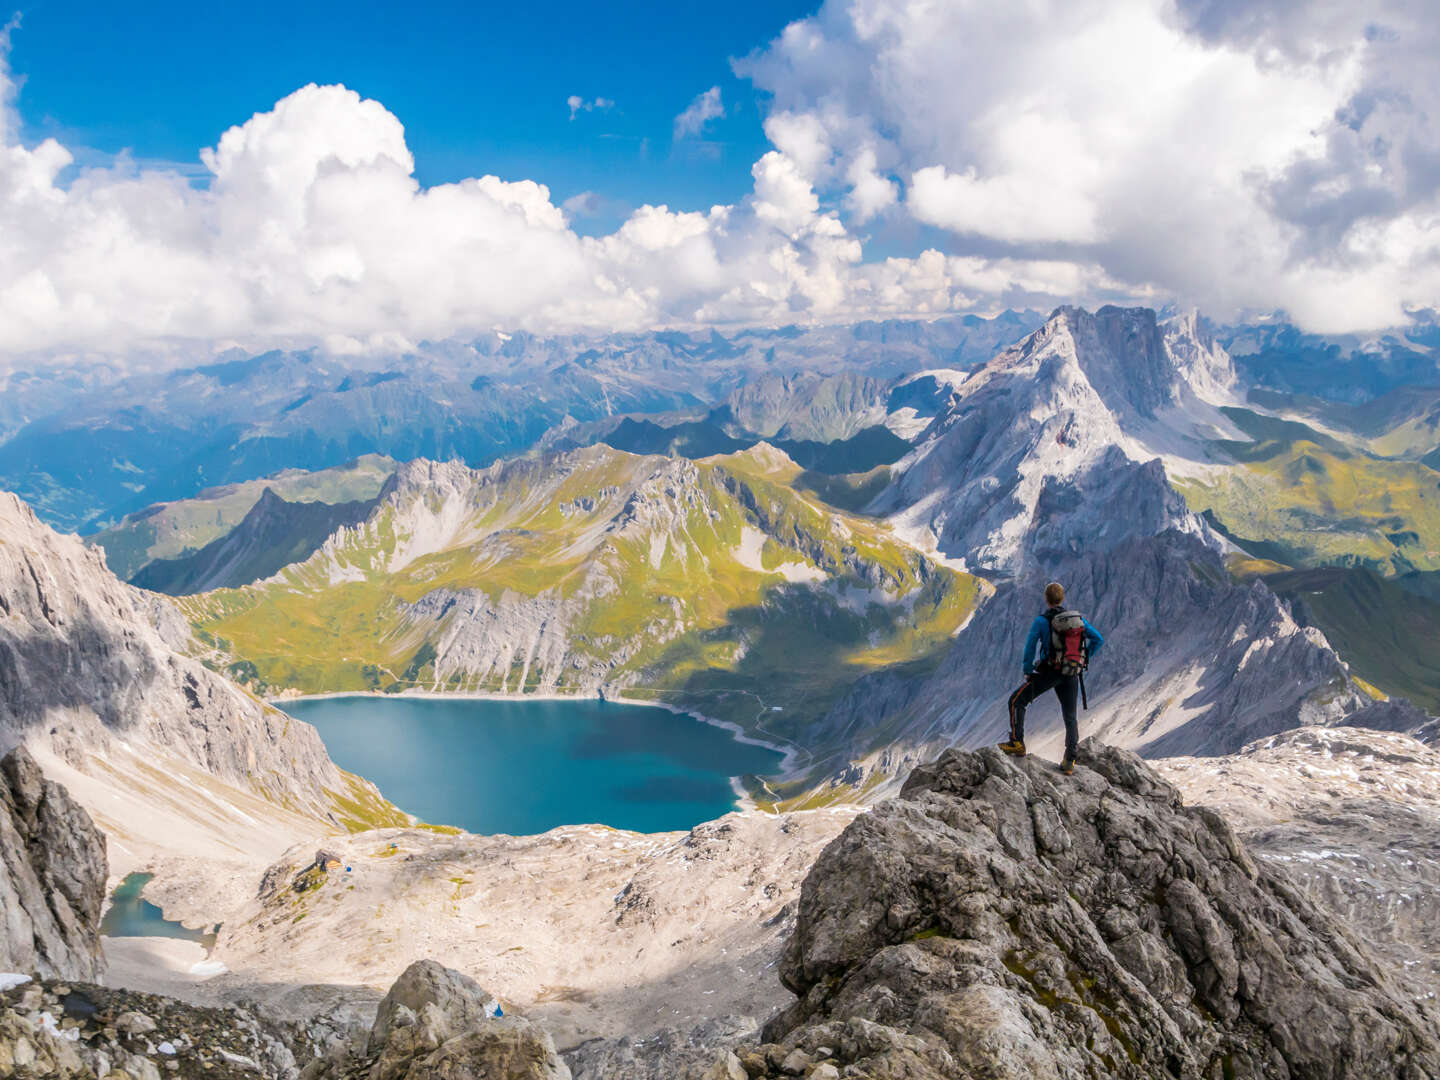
87 446
866 618
840 561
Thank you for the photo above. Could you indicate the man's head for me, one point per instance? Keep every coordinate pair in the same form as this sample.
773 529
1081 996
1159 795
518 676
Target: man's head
1054 594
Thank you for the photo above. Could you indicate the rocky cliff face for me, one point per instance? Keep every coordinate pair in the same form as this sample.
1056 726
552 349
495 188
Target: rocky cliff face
1000 920
89 671
52 876
1063 409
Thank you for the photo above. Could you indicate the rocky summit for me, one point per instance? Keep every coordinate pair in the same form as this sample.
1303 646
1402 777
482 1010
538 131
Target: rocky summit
1001 920
996 920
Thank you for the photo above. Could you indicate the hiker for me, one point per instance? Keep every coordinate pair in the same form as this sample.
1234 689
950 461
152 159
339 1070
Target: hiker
1059 648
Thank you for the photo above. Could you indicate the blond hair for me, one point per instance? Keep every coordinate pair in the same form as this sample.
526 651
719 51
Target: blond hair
1054 594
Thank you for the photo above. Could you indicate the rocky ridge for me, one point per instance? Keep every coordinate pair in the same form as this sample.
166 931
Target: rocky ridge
273 534
1044 414
1000 920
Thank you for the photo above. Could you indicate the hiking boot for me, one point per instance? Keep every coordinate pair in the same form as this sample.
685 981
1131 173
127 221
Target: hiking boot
1015 748
1068 766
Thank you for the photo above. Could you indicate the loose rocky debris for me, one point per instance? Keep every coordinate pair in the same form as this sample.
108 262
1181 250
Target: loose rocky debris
52 1028
999 920
668 1054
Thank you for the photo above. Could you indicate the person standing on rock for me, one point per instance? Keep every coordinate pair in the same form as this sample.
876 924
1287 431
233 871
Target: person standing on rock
1059 648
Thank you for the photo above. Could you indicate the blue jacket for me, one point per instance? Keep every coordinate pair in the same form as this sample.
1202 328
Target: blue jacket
1037 643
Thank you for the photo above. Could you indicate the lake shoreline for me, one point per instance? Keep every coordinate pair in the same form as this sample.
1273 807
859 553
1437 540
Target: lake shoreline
743 800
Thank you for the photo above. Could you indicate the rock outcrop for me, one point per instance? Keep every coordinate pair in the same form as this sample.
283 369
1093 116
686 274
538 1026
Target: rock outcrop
1000 920
437 1024
1353 817
88 666
52 876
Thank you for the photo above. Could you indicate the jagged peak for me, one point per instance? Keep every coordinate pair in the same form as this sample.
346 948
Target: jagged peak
1135 361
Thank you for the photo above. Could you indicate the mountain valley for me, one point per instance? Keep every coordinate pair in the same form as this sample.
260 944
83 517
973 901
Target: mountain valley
838 563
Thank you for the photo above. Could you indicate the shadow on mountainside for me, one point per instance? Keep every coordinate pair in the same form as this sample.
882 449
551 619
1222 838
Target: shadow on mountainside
82 663
797 658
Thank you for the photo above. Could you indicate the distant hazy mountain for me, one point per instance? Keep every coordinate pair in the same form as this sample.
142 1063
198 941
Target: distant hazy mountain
87 448
1347 367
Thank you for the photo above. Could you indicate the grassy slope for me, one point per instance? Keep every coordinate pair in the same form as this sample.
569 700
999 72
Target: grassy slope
173 529
1307 500
1388 635
747 640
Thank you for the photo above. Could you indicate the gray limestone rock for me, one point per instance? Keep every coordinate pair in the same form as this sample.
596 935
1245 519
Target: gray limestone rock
1001 920
89 665
437 1024
52 876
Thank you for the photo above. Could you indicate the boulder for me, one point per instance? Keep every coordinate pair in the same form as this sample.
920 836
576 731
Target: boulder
999 919
437 1024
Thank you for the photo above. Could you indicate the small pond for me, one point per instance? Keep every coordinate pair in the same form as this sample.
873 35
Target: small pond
131 915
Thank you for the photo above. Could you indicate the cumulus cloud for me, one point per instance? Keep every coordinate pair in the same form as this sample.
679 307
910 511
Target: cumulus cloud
578 105
312 228
698 113
1235 155
1240 154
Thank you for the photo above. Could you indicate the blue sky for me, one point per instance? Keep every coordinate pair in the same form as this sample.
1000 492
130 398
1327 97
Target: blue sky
915 159
480 88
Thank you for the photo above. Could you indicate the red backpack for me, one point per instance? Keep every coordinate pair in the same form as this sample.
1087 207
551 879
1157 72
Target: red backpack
1069 651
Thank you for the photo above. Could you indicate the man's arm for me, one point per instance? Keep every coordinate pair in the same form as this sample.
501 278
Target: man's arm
1032 643
1093 641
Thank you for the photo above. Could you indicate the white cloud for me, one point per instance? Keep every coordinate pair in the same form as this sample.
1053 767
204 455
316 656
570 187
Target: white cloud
578 105
698 113
1253 155
1239 154
313 229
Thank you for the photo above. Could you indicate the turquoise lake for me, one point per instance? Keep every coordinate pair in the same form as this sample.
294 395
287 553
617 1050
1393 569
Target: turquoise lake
523 767
131 915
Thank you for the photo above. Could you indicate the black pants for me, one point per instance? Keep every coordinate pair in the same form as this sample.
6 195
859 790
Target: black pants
1067 689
